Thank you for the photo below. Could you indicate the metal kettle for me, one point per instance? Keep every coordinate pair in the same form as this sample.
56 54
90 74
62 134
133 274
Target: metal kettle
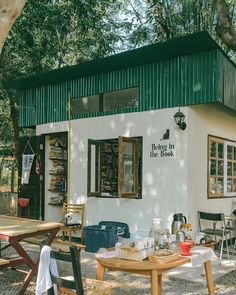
178 220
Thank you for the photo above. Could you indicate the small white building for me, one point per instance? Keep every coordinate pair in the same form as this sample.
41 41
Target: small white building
109 138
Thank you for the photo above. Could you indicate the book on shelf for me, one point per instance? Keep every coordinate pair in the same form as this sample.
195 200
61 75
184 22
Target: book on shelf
57 141
57 199
57 184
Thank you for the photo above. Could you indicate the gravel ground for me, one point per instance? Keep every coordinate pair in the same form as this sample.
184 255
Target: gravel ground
122 283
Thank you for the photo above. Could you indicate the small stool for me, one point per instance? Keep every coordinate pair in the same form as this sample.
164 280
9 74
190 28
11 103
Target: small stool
23 205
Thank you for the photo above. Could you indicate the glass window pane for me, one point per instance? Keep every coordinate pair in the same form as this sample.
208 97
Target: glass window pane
220 185
229 152
229 185
229 168
84 105
212 185
234 169
234 153
234 185
213 167
220 150
128 168
220 168
213 149
120 99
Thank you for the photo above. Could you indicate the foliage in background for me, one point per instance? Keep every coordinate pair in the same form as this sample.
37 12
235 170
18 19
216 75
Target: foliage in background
55 33
161 20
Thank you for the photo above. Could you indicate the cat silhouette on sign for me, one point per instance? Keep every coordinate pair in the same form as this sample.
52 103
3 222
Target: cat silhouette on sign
166 135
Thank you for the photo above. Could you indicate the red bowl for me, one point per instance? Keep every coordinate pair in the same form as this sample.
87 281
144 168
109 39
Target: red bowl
23 202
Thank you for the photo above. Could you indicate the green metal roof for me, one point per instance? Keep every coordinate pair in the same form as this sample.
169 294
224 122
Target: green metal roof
185 45
183 71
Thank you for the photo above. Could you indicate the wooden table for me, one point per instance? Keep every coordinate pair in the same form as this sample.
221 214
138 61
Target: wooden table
14 230
154 270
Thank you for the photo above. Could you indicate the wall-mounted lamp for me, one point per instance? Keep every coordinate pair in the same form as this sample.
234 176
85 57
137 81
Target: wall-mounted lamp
179 120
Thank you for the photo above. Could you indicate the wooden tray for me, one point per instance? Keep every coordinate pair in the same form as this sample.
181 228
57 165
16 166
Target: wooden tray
163 259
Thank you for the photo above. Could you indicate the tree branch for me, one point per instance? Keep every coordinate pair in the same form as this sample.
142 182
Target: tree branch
225 28
9 11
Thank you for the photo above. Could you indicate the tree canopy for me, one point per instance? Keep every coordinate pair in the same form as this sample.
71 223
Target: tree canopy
53 33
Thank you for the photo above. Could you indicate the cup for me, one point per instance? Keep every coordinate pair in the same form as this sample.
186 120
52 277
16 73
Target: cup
185 248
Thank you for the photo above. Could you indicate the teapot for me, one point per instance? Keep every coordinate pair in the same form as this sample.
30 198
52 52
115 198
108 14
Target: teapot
178 220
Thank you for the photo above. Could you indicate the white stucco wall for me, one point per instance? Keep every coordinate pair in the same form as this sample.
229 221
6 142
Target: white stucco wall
204 120
164 178
170 184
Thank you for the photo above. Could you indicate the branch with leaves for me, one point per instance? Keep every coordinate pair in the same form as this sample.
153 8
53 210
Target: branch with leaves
225 27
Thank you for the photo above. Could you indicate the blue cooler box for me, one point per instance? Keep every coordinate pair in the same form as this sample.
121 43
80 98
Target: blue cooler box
104 235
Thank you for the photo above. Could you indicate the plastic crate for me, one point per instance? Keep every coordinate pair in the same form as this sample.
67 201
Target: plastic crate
104 235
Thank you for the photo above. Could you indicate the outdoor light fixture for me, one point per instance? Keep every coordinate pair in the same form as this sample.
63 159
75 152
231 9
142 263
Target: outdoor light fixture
179 120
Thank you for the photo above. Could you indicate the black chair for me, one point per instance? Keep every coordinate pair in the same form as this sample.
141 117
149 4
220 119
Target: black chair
214 226
75 285
230 225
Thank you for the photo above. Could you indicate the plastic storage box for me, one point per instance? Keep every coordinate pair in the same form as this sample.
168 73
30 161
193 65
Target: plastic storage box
104 235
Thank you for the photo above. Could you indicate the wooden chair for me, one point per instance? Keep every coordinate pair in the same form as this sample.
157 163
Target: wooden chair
73 219
75 285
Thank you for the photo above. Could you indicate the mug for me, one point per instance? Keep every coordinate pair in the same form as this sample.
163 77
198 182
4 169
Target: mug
185 248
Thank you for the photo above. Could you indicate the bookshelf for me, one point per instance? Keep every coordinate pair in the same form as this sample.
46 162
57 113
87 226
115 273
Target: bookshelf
57 169
109 168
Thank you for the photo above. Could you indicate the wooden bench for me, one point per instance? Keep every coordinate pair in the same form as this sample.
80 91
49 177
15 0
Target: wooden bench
58 245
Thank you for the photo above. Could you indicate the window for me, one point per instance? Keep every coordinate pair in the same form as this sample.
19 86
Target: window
84 105
120 99
222 167
115 167
125 98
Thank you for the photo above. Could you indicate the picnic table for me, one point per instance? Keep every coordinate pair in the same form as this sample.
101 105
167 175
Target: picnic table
13 230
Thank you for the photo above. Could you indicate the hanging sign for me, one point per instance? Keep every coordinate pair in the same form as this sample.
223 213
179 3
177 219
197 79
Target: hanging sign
27 161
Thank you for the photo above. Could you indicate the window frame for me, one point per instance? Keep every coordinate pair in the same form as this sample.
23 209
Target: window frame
137 158
133 141
101 102
226 143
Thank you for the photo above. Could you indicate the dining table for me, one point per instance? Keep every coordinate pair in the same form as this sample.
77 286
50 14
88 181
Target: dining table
13 230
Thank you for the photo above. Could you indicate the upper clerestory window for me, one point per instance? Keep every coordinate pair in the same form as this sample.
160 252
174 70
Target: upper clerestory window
114 100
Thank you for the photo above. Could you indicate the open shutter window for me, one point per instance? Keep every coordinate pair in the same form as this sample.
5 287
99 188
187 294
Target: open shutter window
94 168
128 168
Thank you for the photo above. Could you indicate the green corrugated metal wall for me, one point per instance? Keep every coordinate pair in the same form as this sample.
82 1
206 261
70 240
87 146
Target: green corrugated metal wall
184 80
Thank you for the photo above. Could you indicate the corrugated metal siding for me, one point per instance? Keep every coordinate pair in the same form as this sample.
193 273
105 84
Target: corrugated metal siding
226 82
178 81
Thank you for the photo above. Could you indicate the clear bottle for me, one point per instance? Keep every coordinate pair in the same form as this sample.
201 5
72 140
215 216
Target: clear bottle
155 229
180 236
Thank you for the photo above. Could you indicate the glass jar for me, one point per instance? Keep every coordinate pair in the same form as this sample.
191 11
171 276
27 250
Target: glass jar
163 239
155 229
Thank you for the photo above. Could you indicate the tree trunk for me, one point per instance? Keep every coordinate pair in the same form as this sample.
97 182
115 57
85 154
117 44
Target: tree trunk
225 28
9 11
15 125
